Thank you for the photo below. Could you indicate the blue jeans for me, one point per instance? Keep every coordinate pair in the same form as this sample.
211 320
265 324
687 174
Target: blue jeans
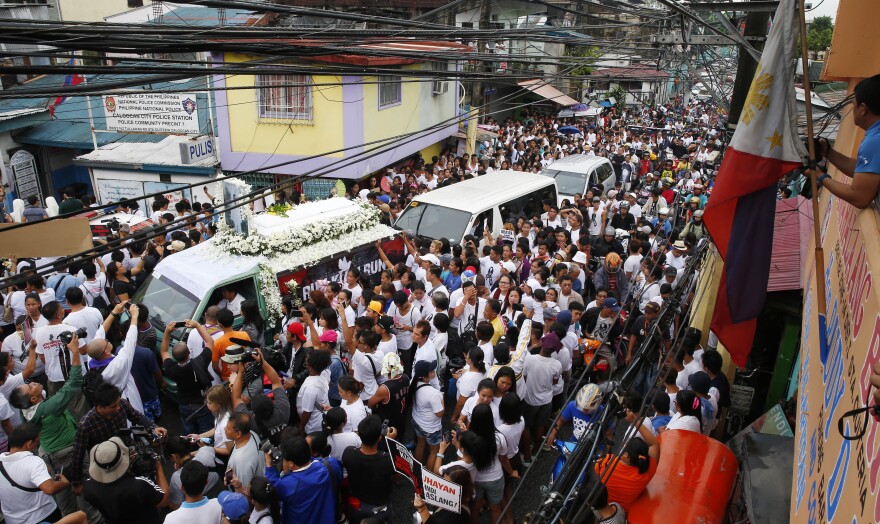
198 424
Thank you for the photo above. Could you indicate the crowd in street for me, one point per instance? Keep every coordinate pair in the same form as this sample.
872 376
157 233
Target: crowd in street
465 353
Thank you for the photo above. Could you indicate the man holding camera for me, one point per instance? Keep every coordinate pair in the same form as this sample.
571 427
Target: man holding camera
120 496
190 373
51 348
107 419
56 424
269 415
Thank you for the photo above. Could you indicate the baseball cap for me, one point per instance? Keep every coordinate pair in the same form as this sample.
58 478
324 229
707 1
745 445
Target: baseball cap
652 307
176 246
533 284
468 276
431 258
646 230
597 199
329 335
700 382
551 341
698 213
384 199
670 271
564 318
664 211
386 322
612 193
376 306
610 231
234 505
509 266
611 303
296 329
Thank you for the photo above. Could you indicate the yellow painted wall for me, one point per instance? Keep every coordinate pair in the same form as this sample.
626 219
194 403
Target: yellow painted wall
90 10
249 133
431 151
419 108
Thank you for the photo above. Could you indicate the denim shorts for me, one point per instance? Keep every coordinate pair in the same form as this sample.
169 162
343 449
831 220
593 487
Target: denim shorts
433 439
492 490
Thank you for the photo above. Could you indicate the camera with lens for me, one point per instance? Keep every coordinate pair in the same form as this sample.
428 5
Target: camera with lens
112 224
145 450
274 453
67 336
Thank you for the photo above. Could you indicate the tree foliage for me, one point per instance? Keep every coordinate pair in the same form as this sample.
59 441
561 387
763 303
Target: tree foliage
582 58
819 33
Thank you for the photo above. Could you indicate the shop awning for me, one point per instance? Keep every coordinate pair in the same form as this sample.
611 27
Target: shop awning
543 89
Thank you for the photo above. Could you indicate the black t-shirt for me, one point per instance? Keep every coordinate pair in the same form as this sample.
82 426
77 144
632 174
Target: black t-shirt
642 329
189 388
129 500
626 222
723 386
368 475
121 287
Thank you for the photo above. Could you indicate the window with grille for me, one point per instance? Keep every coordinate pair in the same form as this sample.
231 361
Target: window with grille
440 86
389 91
284 97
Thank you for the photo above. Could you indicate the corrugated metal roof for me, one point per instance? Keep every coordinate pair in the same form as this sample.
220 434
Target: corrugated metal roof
163 153
15 113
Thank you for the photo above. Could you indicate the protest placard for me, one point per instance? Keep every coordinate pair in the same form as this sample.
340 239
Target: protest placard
433 489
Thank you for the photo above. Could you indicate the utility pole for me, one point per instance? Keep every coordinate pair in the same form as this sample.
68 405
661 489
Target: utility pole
480 66
756 26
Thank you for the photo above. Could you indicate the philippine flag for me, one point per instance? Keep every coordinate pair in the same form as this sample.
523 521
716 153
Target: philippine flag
741 211
69 81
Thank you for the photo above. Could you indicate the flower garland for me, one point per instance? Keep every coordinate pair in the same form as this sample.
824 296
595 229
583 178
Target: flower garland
271 292
278 244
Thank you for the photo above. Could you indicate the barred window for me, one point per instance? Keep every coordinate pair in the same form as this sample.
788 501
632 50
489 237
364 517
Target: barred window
285 97
389 91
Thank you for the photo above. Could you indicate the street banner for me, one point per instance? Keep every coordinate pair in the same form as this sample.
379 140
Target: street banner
433 489
835 479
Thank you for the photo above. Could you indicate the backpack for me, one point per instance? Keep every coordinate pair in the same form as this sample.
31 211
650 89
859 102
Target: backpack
98 301
91 380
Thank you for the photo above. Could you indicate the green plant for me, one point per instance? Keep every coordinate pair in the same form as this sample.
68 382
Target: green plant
583 57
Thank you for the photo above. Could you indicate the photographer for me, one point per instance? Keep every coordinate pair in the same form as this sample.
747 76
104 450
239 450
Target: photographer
191 376
108 418
120 496
26 486
306 486
56 424
50 349
114 369
369 473
269 414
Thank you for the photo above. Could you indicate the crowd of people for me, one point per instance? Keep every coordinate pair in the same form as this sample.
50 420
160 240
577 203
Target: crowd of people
464 353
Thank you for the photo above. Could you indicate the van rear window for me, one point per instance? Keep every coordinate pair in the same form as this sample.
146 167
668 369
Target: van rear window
568 183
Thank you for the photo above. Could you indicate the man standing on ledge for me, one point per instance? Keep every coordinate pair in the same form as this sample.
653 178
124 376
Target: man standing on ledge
864 169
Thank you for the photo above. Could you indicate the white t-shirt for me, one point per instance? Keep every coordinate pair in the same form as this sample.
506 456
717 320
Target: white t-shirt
471 315
409 319
95 288
491 271
540 373
468 382
7 413
53 349
688 423
387 346
633 263
468 409
495 471
16 302
354 414
312 395
206 511
488 353
87 318
25 507
428 402
14 345
220 439
356 293
233 305
363 366
512 433
339 442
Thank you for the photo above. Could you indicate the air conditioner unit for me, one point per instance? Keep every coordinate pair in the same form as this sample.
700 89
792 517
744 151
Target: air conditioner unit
440 87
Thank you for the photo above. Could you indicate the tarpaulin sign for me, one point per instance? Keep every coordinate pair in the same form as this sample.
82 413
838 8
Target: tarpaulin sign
433 489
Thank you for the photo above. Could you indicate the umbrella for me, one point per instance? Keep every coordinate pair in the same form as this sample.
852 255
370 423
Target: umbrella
569 130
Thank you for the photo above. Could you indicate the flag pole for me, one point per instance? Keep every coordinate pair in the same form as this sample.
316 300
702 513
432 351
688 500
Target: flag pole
814 185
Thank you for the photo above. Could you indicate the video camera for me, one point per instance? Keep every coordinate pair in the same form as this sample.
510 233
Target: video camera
112 224
67 336
273 451
272 355
145 450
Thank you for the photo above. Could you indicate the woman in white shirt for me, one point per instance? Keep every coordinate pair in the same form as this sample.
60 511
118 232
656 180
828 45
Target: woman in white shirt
491 461
264 499
689 416
350 391
470 379
485 395
512 426
338 438
219 402
427 413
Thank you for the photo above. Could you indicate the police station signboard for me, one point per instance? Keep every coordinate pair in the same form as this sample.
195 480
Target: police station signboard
175 113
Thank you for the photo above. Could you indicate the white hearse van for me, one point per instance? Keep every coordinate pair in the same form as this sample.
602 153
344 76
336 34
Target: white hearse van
577 173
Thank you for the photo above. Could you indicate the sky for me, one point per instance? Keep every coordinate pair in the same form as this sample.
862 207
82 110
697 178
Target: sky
826 8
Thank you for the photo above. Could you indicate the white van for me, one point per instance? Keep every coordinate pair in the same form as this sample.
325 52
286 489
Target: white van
467 207
577 173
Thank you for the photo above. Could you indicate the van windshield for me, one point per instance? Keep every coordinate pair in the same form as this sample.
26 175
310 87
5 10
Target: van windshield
433 221
568 183
166 301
